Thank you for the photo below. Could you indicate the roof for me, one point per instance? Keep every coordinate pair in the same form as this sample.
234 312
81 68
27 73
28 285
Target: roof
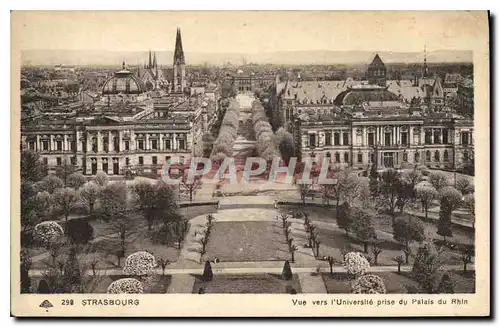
452 78
123 81
467 82
377 62
359 95
316 91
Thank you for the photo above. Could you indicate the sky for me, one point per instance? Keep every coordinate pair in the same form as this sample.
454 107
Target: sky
247 32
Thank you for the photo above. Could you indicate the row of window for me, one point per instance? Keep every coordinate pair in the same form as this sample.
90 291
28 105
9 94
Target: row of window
429 157
153 145
154 160
430 138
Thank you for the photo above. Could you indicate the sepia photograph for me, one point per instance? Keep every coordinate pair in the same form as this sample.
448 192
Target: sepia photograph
250 153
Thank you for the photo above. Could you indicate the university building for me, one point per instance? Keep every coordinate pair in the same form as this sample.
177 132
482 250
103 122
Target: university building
126 130
396 124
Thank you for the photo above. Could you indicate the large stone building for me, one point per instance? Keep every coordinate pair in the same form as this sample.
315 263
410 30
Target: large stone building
388 123
128 129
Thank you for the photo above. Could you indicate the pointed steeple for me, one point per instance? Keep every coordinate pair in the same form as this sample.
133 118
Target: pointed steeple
179 53
154 60
150 63
425 72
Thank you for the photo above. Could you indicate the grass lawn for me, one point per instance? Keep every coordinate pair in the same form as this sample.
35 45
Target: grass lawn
239 284
397 283
333 239
103 250
247 241
159 284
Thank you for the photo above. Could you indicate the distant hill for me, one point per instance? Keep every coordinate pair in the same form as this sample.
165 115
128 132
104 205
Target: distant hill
97 57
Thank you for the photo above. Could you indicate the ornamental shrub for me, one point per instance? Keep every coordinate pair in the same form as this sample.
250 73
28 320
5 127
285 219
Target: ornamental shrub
368 284
287 271
207 272
139 264
47 232
355 263
125 286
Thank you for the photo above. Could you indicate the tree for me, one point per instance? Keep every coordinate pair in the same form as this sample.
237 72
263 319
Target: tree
344 219
406 231
89 193
446 285
113 198
426 194
466 257
32 168
287 271
331 262
191 185
76 180
438 180
376 250
123 222
65 200
374 182
470 204
26 264
79 231
101 178
163 264
65 170
399 260
425 266
72 277
450 199
405 194
368 284
390 184
207 272
145 199
347 189
207 142
363 228
293 249
412 178
464 186
49 183
304 190
285 144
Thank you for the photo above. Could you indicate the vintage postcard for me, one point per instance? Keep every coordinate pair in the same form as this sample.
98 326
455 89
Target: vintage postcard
258 163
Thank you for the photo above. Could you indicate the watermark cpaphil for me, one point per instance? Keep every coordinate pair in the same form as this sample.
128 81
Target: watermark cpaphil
310 170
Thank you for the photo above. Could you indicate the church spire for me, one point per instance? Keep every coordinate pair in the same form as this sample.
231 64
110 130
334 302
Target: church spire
150 64
154 59
426 69
179 53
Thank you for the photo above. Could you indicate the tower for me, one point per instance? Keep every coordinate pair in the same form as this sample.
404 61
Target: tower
150 64
376 72
179 65
425 71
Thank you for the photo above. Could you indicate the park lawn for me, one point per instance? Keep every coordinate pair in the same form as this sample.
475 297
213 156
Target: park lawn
246 283
159 284
333 239
397 283
100 284
247 241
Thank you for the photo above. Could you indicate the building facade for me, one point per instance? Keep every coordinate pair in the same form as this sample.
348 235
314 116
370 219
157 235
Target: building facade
129 129
396 124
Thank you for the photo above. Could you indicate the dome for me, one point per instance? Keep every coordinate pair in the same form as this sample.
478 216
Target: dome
356 95
124 82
